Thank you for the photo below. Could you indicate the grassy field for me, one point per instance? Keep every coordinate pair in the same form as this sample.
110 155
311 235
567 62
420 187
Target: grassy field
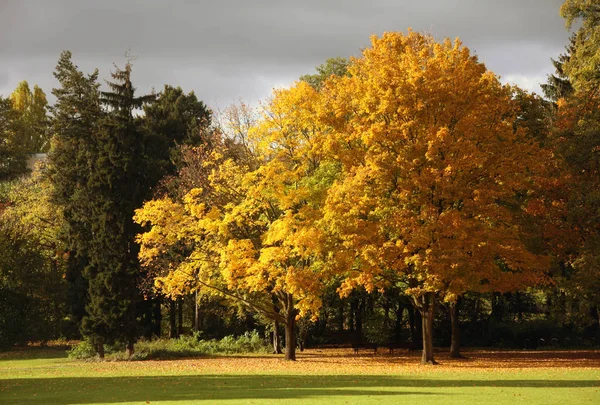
46 376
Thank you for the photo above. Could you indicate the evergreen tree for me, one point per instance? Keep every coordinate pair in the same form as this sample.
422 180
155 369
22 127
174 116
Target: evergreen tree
174 119
117 189
559 85
76 116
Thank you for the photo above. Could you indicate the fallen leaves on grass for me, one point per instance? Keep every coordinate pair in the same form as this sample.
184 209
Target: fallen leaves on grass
337 362
344 361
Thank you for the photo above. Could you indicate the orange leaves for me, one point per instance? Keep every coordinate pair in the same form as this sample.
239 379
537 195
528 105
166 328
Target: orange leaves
253 227
411 165
437 168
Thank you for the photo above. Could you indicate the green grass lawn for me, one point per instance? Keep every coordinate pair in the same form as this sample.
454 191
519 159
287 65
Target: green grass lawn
45 377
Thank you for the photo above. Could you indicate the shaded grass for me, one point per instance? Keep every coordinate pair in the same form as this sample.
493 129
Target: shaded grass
316 378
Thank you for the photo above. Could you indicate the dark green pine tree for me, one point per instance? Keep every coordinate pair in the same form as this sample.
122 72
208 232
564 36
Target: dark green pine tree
75 121
559 85
117 189
174 119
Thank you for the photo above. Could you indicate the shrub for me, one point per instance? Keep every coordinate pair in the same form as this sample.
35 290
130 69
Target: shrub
185 346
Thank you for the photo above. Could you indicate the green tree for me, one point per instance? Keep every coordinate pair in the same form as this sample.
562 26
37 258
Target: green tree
174 119
577 141
76 116
559 85
583 64
332 67
116 188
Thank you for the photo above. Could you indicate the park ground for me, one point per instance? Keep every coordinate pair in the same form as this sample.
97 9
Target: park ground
334 376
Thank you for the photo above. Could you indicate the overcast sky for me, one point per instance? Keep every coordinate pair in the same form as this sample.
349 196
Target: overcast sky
240 49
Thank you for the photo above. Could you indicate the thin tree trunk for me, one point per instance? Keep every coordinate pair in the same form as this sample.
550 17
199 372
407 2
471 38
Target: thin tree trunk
130 349
358 318
276 340
455 334
100 350
426 306
157 315
290 329
179 316
196 313
416 326
172 319
412 325
351 315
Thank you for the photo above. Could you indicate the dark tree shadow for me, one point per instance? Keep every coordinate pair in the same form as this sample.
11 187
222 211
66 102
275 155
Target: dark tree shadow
69 391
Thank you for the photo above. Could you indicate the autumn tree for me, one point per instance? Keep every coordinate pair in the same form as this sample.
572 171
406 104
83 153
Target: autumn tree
433 169
252 226
13 148
31 108
32 260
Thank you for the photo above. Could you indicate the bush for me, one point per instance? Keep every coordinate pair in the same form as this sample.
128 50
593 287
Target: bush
185 346
82 350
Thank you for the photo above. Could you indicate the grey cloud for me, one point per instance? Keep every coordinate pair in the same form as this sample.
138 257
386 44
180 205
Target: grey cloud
224 49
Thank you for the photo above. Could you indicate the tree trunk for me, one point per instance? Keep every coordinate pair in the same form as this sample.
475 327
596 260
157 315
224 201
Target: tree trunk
156 326
595 314
100 350
276 340
358 318
130 349
179 316
426 306
398 324
290 336
173 319
455 338
196 313
416 326
290 327
351 316
340 316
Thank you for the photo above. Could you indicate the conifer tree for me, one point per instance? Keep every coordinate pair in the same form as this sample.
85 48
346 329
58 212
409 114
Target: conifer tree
559 85
117 189
174 119
76 116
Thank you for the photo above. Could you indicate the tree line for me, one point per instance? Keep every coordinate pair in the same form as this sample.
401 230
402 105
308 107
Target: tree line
379 188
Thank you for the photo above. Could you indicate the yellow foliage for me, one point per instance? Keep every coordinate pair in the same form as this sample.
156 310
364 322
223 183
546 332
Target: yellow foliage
410 164
432 165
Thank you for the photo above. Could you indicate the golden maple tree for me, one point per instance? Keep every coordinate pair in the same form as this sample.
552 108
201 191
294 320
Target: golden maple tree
410 166
434 174
251 230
